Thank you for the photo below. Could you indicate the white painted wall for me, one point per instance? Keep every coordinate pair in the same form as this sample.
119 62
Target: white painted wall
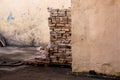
30 20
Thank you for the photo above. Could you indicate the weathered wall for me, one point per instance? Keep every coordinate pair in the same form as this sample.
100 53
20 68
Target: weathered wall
60 36
95 36
25 22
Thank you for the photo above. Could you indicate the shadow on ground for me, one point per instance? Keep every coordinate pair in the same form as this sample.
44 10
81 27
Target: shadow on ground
40 73
25 72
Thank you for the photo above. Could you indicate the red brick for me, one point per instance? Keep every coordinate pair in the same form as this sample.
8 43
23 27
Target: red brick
62 25
57 20
64 20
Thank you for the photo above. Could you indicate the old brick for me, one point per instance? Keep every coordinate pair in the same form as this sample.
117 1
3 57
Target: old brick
61 14
54 13
52 25
57 20
54 10
68 27
53 20
68 13
49 20
64 20
69 59
60 25
69 20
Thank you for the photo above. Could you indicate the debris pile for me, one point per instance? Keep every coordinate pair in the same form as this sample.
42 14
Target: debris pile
2 41
42 55
60 31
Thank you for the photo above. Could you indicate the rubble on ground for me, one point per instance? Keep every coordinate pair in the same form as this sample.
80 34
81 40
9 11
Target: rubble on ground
42 53
41 58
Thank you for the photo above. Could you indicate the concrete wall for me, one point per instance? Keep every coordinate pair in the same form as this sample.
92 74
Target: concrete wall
95 36
25 22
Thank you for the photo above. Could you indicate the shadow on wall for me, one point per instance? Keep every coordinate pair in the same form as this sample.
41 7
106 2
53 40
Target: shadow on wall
17 35
20 42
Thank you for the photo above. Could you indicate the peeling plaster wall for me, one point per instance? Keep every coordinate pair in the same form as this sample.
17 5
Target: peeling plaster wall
96 36
25 22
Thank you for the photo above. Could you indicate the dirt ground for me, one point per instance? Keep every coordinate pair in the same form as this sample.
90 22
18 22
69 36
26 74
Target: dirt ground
25 72
41 73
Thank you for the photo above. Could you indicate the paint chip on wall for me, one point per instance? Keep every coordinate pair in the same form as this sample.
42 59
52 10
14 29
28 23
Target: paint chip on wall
10 16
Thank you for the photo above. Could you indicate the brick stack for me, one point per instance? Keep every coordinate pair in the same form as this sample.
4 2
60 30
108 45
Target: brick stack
60 31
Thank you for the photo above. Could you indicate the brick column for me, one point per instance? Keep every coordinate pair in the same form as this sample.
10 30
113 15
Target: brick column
60 35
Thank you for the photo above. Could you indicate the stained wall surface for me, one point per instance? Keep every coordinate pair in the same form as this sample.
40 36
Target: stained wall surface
25 22
96 36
